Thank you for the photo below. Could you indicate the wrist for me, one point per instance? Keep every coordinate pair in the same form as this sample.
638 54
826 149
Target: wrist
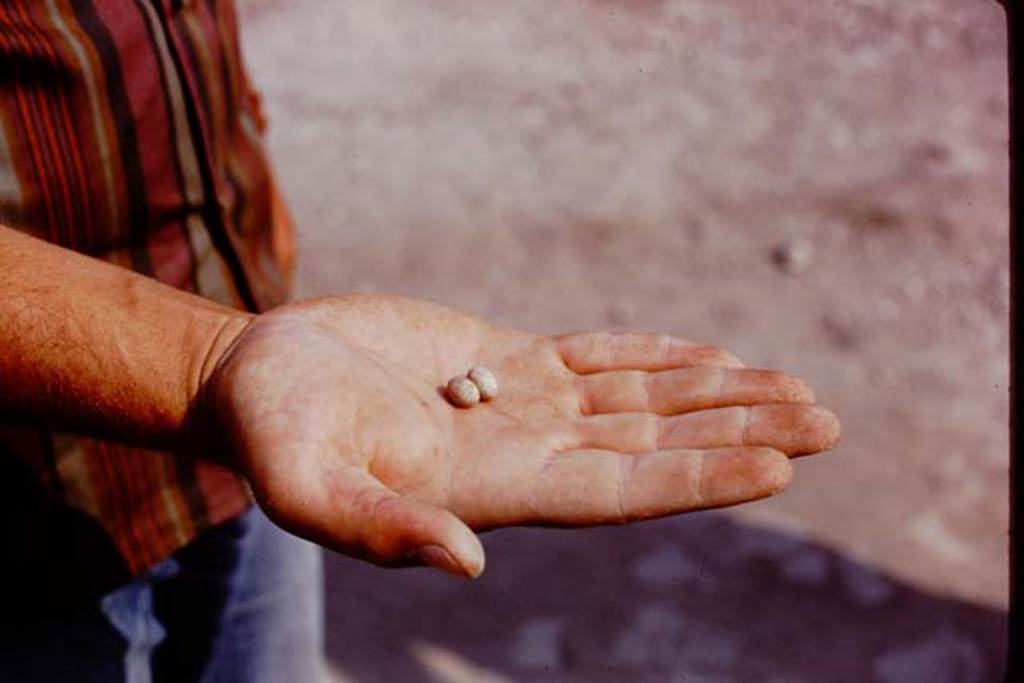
201 433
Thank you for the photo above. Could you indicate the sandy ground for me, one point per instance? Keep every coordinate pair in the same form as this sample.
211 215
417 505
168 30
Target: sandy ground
633 165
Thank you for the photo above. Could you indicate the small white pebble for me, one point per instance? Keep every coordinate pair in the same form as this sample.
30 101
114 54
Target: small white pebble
485 381
794 256
462 392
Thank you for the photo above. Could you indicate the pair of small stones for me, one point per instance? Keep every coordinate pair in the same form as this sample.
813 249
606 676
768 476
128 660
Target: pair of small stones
479 384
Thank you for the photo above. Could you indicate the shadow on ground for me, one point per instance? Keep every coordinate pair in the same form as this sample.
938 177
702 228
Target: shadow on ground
697 598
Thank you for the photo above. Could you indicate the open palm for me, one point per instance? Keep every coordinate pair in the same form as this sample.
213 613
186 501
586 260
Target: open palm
336 414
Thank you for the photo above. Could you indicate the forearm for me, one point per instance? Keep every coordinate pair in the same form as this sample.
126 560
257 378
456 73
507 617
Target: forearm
88 347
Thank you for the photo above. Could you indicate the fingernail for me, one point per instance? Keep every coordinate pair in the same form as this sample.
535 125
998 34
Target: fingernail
438 557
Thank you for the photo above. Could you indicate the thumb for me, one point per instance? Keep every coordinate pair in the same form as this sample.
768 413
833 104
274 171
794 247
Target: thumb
375 522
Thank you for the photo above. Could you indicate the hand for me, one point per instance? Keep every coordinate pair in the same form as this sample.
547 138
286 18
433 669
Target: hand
335 412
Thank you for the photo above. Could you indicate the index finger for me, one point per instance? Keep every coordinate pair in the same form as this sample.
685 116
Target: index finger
587 487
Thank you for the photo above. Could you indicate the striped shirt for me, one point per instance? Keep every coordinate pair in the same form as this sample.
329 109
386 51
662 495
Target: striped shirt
129 131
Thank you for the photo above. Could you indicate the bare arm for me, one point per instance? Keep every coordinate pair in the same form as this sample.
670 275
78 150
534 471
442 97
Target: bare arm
89 347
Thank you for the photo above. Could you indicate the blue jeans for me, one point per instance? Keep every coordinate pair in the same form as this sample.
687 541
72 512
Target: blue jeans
243 602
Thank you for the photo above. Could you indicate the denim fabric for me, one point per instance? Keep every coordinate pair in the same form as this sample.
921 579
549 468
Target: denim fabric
243 602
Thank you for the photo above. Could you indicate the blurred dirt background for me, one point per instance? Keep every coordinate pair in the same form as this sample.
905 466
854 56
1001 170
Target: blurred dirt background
819 187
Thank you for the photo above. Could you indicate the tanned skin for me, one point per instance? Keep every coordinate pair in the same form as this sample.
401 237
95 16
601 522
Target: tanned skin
333 409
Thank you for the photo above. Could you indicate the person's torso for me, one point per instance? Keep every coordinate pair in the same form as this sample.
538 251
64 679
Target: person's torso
129 131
